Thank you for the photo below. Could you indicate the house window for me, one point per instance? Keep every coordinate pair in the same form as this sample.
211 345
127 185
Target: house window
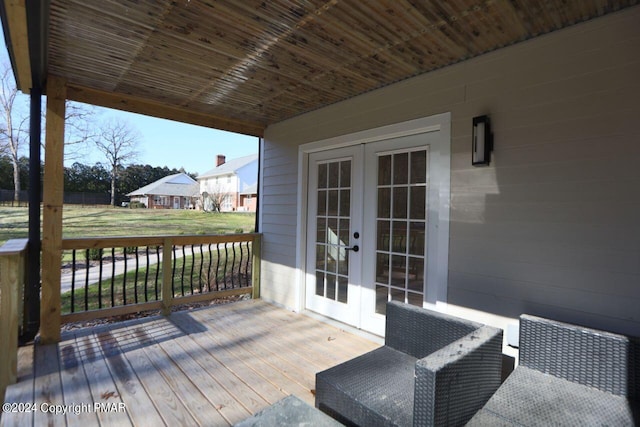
160 200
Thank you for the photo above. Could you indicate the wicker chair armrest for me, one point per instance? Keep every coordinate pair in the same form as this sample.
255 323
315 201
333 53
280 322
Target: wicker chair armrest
453 383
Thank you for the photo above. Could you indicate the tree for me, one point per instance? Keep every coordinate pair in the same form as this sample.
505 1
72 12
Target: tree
118 140
212 201
12 132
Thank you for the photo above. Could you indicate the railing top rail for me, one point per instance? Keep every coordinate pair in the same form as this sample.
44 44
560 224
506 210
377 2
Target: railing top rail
14 247
196 239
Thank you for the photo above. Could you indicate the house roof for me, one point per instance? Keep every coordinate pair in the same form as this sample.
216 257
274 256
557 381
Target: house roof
252 189
230 167
243 65
179 184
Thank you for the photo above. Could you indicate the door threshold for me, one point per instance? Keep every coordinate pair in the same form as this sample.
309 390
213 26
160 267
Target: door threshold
343 326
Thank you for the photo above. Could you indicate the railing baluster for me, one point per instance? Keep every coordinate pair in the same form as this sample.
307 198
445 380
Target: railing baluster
73 280
113 277
99 280
240 265
184 260
146 275
135 276
173 271
201 266
157 270
124 277
209 268
233 265
246 265
226 259
193 262
86 284
217 265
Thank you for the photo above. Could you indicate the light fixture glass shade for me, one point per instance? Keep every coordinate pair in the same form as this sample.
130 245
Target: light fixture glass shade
481 141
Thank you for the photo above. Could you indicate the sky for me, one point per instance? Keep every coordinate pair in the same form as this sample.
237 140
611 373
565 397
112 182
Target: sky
176 145
168 143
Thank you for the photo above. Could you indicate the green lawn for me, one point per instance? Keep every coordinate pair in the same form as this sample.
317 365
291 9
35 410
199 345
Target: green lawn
100 222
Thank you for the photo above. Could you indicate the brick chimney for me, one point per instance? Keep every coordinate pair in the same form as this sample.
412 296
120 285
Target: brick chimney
220 159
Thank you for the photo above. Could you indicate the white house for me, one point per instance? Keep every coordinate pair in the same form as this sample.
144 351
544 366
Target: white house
232 184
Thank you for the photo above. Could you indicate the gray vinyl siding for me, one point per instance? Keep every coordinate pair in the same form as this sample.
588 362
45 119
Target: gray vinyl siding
552 227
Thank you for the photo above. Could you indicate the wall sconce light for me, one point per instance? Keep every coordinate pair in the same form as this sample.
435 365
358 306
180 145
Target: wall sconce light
482 141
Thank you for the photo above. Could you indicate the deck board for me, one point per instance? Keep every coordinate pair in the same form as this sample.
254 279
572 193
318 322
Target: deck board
208 367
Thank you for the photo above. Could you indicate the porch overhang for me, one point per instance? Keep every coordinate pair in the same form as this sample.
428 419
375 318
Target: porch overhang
241 66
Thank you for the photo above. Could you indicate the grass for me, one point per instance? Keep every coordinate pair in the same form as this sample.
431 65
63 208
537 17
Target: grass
102 222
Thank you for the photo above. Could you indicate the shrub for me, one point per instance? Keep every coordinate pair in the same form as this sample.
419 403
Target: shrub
95 254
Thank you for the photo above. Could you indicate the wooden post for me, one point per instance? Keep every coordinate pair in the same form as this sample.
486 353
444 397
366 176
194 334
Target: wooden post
53 190
167 275
255 266
12 266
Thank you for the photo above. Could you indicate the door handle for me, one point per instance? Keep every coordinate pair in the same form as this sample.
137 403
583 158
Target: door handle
355 248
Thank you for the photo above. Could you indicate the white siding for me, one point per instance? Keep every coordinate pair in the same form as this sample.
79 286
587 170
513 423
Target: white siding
552 226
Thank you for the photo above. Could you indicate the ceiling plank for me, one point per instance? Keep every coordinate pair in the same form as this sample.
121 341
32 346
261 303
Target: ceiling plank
17 29
142 106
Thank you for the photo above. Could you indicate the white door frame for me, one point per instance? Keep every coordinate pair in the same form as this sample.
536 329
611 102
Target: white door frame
439 195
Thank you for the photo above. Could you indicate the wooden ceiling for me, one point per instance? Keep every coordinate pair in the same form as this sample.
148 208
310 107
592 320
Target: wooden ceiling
241 65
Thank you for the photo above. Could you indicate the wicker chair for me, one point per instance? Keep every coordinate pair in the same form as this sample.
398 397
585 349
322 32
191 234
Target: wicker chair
434 369
567 375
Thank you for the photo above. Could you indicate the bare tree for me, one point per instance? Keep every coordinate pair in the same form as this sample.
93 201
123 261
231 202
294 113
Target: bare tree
118 140
12 132
212 201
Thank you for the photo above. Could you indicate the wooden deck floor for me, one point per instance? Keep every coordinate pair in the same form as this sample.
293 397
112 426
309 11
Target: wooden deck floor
208 367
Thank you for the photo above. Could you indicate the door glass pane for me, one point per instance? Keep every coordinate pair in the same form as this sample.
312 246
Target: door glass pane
331 286
416 238
399 237
345 203
382 268
345 174
334 173
400 168
322 175
320 283
418 202
384 170
320 257
400 202
344 232
384 235
322 202
419 167
416 274
332 208
397 295
382 296
398 270
414 299
384 202
342 289
343 261
321 230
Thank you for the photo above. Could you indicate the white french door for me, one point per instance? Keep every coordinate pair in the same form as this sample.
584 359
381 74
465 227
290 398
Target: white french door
334 233
369 223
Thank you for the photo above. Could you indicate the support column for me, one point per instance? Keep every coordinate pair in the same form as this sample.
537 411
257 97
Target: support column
31 322
52 210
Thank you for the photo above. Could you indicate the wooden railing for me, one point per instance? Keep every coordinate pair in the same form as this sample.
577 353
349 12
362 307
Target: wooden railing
12 280
121 275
